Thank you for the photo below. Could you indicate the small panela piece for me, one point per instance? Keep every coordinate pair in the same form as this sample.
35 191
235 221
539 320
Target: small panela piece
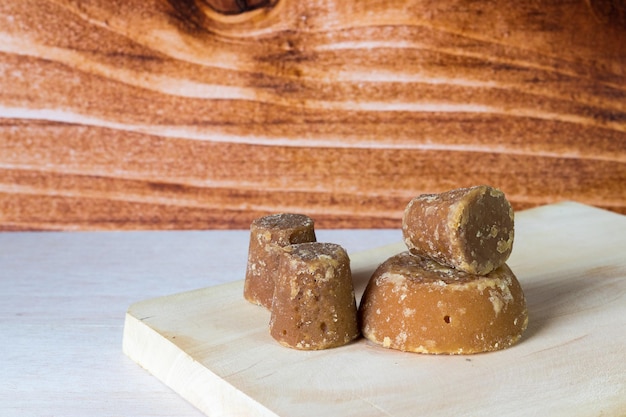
314 305
267 236
470 229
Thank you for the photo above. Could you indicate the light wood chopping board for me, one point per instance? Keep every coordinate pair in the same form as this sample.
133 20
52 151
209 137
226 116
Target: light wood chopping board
214 349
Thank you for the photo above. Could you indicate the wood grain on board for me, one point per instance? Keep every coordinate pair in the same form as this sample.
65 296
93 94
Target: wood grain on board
180 114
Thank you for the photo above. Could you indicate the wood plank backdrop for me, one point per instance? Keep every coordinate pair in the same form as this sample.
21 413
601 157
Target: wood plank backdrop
155 114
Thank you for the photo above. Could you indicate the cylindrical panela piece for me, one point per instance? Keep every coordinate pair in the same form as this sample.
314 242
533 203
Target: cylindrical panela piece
470 229
267 236
314 305
415 304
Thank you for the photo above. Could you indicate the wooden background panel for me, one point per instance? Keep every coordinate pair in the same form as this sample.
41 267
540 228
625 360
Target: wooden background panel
168 115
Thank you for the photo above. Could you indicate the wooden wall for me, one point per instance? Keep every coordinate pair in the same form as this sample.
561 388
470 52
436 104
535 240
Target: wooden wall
156 114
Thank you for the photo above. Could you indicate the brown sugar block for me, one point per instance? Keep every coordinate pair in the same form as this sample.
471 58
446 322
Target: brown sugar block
314 305
415 304
267 235
470 229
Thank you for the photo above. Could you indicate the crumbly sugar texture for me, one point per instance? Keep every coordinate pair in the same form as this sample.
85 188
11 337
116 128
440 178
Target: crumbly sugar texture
314 306
415 304
470 229
268 235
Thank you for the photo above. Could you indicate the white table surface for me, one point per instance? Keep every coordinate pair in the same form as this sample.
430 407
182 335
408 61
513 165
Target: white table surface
63 298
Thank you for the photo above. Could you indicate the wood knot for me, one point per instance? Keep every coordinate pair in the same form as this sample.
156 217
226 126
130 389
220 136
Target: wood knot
231 7
229 17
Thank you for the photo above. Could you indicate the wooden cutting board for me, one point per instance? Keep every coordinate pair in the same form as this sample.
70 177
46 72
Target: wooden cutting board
214 349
